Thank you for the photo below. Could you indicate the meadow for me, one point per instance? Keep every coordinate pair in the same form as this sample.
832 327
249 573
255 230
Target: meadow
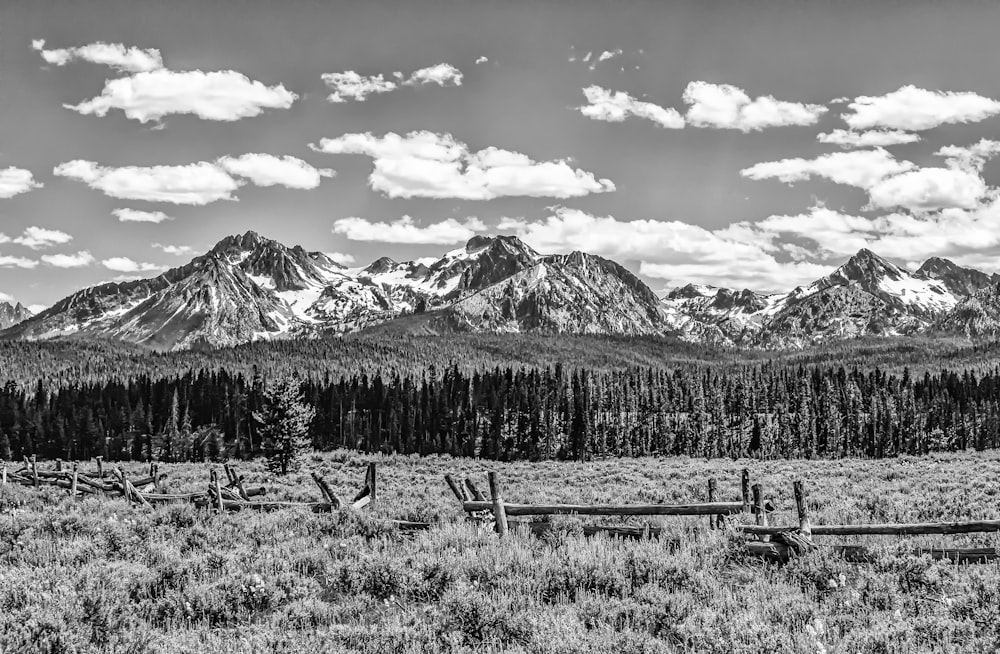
98 575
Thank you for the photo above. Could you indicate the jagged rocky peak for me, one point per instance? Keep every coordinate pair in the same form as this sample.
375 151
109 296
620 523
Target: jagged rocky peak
12 314
509 244
690 291
866 266
380 265
746 300
958 279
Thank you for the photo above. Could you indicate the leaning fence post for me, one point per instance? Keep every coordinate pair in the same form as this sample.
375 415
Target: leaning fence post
800 505
476 494
217 490
456 489
711 498
499 512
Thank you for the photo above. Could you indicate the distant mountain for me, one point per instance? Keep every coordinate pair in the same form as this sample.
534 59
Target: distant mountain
249 288
12 314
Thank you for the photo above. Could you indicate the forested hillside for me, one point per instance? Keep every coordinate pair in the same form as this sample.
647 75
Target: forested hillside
561 411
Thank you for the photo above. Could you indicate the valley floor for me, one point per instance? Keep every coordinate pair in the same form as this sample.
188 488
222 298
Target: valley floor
98 575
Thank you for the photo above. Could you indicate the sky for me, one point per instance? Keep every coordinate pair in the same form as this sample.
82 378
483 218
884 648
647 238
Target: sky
740 144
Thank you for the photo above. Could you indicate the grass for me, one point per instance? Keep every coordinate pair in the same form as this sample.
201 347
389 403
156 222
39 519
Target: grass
97 575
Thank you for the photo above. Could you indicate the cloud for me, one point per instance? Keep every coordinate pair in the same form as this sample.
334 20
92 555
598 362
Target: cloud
268 170
36 309
616 106
14 181
405 230
914 109
115 55
971 157
729 107
78 260
860 168
342 258
178 250
481 60
672 250
37 238
126 265
429 165
350 84
872 138
928 189
136 216
440 74
220 95
609 54
195 184
7 261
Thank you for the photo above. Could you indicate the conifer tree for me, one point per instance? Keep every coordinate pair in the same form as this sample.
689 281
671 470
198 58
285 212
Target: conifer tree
284 420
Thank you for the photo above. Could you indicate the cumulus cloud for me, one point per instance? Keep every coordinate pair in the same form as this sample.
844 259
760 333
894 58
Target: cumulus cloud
219 95
440 74
406 230
115 55
860 168
126 265
729 107
195 184
671 250
269 170
350 84
38 238
425 164
971 157
177 250
914 109
872 138
616 106
609 54
136 216
78 260
8 261
481 60
14 181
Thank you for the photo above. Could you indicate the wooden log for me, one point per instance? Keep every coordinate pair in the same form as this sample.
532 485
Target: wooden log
123 476
780 552
711 499
154 469
361 503
895 529
234 505
230 475
615 531
800 506
718 508
324 490
476 495
241 488
499 511
136 495
457 490
214 480
72 489
172 497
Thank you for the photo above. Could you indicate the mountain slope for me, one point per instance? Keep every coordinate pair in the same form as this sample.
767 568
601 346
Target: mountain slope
12 314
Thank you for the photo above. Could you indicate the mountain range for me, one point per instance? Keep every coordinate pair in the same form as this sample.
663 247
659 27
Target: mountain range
249 288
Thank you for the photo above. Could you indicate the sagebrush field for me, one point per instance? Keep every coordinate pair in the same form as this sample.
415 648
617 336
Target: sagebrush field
98 575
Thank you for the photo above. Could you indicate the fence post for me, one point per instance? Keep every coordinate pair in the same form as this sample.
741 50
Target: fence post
154 470
498 508
72 485
58 465
34 469
217 490
125 489
370 481
456 489
476 495
711 498
800 505
758 508
745 489
100 468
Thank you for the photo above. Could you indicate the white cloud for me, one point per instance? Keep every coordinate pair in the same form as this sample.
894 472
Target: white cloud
729 107
196 184
350 84
972 157
37 238
616 106
14 181
268 170
78 260
405 230
860 168
178 250
872 138
609 54
136 216
928 189
126 265
425 164
7 261
36 309
914 109
672 250
220 95
5 297
342 258
481 60
115 55
440 74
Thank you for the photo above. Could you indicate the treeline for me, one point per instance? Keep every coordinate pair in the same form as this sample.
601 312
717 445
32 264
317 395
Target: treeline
767 410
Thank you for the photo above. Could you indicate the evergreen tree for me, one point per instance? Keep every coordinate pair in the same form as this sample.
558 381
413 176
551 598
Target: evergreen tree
284 420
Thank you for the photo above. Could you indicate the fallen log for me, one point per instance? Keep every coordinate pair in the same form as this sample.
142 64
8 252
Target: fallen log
898 529
716 508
